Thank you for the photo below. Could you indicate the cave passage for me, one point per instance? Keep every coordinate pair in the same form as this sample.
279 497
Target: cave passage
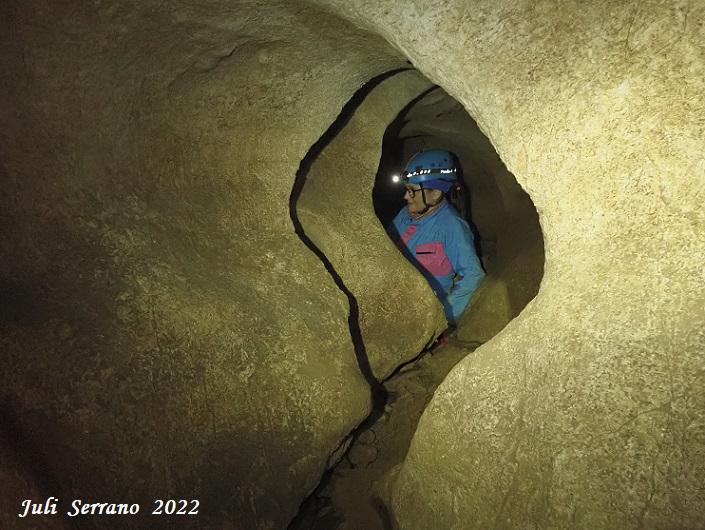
499 213
199 300
497 208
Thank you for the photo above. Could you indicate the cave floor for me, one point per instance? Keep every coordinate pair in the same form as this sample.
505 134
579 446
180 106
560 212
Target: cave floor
349 497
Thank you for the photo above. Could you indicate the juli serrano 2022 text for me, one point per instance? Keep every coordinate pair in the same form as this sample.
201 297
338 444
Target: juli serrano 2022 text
78 507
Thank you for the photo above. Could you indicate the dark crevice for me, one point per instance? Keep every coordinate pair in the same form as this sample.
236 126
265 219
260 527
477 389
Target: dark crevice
378 393
354 315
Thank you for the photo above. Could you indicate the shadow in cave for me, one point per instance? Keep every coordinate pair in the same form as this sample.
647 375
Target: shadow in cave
34 460
495 206
377 391
387 205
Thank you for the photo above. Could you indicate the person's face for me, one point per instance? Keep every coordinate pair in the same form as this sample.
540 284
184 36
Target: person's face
414 197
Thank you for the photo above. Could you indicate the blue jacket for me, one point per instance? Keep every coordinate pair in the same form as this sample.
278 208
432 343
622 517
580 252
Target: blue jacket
441 247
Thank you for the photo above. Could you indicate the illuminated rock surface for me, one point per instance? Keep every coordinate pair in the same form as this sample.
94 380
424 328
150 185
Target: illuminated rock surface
166 333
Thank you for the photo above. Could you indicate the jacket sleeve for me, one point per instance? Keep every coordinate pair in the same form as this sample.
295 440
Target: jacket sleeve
460 249
393 228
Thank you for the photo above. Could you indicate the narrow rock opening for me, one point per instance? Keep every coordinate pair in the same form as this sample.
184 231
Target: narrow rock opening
501 215
336 180
166 335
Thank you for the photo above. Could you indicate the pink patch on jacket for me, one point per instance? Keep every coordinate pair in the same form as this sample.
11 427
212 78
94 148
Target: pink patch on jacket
410 230
433 258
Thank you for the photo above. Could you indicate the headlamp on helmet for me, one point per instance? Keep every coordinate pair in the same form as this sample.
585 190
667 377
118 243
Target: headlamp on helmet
432 168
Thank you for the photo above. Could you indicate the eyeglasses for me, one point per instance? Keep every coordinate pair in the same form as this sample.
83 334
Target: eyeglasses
412 191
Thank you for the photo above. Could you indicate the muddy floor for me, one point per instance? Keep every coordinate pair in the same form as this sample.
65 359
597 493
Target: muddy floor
351 494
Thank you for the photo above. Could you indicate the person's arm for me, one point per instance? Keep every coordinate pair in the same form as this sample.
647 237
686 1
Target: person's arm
460 250
393 228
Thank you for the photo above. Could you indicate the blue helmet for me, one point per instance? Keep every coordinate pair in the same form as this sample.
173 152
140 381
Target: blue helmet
428 165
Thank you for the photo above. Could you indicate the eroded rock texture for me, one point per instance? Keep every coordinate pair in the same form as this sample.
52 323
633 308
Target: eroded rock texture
585 411
336 213
166 333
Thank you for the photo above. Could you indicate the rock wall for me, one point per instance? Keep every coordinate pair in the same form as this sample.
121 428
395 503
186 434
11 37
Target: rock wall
398 312
165 332
584 412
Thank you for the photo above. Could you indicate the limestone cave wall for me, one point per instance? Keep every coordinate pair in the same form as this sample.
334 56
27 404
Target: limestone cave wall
166 332
584 411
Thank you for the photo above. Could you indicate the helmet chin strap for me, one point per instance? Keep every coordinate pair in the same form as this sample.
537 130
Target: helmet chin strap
429 206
